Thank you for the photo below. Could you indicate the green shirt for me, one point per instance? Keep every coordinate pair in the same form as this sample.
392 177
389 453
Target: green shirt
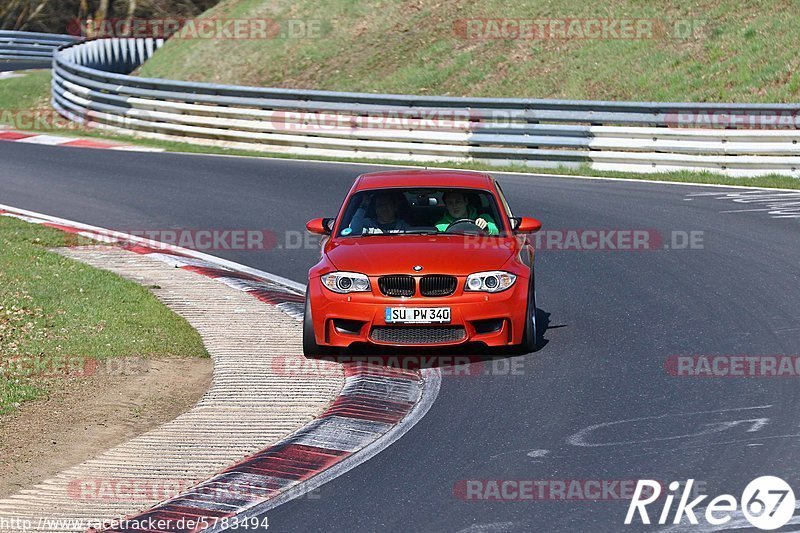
472 214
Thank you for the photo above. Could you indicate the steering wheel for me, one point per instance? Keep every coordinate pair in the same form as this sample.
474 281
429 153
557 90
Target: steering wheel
465 225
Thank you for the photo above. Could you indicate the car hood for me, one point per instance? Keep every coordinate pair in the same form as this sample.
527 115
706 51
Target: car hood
437 254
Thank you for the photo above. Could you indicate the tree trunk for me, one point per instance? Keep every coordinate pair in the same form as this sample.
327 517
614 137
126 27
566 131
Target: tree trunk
102 11
6 11
35 13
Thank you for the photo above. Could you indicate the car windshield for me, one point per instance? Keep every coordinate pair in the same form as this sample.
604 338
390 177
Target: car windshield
421 211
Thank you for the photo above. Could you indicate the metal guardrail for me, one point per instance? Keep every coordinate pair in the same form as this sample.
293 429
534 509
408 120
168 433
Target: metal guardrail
91 85
31 46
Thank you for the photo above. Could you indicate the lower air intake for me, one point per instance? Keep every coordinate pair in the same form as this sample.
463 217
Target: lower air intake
418 334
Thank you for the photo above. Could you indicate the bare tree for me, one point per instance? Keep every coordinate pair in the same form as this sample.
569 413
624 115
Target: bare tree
102 11
36 11
58 17
10 7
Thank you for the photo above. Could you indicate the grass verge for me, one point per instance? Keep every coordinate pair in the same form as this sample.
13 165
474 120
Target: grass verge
31 91
30 96
58 317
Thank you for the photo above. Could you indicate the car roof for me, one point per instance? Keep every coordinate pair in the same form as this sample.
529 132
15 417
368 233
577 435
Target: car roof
423 178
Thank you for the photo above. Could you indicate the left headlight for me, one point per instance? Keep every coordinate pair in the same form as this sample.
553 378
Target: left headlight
344 282
492 281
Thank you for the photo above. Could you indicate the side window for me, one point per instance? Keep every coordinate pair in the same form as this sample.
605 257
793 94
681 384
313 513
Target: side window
503 199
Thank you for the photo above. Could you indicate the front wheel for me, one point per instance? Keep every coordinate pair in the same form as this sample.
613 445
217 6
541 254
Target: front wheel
310 346
530 336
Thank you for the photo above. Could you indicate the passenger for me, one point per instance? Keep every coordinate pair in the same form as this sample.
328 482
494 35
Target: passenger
386 219
458 207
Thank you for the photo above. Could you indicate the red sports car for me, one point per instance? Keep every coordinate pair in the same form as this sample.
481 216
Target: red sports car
422 258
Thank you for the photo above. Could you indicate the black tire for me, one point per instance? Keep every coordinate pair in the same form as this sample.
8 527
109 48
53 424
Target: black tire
310 346
530 338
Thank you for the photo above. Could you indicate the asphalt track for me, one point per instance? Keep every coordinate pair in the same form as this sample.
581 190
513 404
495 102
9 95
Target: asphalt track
22 65
614 318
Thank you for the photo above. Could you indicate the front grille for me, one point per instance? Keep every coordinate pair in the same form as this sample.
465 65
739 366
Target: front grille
437 285
418 334
398 285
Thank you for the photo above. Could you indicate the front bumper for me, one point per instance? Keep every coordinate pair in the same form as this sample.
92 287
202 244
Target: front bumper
341 320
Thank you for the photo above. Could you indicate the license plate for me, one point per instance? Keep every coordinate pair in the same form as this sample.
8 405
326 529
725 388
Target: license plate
417 315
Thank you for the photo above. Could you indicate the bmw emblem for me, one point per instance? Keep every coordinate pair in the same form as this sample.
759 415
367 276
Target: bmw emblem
417 268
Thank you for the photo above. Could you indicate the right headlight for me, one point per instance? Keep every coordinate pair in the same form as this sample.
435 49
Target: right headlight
344 282
492 281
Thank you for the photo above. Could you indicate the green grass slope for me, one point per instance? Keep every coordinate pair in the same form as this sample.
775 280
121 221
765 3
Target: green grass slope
740 50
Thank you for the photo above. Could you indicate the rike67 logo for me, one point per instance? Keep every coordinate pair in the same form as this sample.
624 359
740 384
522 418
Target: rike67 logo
767 503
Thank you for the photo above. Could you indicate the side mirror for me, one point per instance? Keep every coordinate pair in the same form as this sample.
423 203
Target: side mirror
320 226
525 224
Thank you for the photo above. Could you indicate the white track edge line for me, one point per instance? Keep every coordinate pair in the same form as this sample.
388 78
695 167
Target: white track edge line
295 286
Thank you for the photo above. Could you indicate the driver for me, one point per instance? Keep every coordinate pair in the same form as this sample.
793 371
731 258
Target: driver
458 207
386 219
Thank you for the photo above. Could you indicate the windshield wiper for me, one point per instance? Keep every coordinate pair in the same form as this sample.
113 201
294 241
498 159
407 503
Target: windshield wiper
371 234
394 233
464 233
420 232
